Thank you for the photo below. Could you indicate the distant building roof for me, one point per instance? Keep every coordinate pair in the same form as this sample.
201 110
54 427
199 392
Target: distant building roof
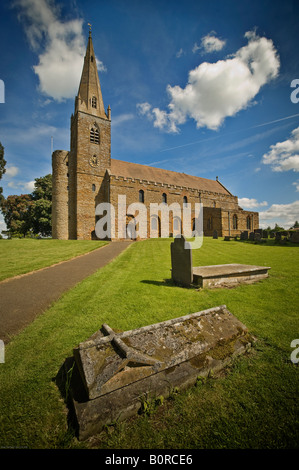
149 173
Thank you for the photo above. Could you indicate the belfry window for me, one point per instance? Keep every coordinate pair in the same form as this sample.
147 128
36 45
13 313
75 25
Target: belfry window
94 136
93 187
185 200
94 102
164 198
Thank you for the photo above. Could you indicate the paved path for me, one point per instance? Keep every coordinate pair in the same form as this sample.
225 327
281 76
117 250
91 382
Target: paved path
24 297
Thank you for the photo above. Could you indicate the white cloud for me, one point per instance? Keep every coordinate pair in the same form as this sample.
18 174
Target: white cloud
12 171
296 183
284 215
210 43
23 185
117 120
196 47
61 61
247 203
179 53
217 90
284 156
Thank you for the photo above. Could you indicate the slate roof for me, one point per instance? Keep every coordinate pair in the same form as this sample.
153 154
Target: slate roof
158 175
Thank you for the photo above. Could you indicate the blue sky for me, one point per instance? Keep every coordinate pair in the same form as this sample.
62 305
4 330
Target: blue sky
194 86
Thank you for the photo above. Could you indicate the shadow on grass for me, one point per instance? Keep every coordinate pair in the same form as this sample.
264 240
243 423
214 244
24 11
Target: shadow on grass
167 283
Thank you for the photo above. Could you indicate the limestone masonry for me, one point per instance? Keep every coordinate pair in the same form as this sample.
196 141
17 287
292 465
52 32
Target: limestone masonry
86 176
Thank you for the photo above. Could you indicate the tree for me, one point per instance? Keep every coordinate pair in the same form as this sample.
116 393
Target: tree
16 212
2 168
29 214
41 207
296 225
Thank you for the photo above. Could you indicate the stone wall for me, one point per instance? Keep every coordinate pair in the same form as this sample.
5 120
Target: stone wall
60 194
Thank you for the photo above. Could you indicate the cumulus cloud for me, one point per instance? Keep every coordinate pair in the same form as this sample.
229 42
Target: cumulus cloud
247 203
60 44
12 171
210 43
284 156
23 185
217 90
282 214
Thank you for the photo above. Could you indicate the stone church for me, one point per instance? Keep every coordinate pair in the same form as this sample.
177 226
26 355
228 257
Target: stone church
86 175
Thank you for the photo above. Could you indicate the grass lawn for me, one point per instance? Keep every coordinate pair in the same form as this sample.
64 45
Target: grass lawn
20 256
253 405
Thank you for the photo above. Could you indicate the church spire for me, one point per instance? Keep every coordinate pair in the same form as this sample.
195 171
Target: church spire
89 99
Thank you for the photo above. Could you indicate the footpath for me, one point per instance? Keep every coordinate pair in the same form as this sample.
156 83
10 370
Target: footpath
24 297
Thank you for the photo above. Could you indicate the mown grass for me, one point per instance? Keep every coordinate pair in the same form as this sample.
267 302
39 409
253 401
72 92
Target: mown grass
254 405
20 256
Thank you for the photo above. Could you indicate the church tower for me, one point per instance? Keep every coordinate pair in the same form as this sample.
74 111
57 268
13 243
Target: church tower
90 154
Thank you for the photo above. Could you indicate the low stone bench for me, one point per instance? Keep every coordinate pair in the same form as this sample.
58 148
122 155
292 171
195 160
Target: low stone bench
221 275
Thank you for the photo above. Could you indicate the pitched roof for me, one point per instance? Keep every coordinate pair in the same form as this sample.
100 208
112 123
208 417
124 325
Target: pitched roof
149 173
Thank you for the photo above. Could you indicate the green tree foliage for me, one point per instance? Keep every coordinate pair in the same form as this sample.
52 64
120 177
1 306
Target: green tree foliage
2 168
16 212
41 207
30 214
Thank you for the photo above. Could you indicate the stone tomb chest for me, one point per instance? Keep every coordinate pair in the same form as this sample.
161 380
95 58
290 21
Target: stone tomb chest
113 371
220 275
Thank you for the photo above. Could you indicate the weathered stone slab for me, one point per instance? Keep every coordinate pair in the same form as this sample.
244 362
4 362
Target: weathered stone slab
115 370
215 234
228 275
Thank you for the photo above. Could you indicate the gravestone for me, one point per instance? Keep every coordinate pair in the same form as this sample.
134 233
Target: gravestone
257 237
181 261
215 234
220 275
112 372
244 235
277 236
265 234
251 236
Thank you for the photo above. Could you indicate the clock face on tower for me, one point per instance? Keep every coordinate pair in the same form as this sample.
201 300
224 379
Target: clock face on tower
94 161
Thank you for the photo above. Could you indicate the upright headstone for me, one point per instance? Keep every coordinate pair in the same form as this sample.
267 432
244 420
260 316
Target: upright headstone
277 236
257 237
265 234
215 234
251 236
244 235
181 261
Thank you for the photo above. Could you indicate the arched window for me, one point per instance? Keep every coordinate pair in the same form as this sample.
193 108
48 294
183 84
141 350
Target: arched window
248 223
185 200
94 135
235 222
176 225
94 102
141 195
93 187
164 198
154 223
